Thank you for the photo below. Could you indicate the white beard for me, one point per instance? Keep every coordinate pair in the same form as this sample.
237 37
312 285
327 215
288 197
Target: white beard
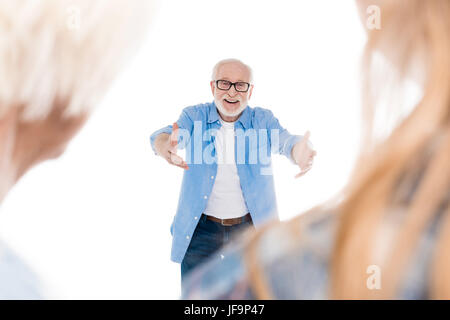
227 113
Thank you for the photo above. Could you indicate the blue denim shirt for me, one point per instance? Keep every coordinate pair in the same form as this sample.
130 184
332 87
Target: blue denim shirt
198 125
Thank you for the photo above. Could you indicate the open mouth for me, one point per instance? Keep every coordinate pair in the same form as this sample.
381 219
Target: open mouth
231 101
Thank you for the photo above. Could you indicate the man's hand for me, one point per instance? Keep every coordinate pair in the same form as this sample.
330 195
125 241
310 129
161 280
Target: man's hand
166 146
303 155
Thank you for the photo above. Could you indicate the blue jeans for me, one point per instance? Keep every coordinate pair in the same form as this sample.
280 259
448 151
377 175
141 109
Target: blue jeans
209 236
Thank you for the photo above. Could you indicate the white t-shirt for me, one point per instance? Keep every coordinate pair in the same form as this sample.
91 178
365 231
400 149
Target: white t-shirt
226 200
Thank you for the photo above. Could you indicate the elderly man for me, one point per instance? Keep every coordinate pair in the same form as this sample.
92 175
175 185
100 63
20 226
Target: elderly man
227 184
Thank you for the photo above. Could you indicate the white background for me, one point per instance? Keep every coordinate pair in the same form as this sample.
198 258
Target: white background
95 223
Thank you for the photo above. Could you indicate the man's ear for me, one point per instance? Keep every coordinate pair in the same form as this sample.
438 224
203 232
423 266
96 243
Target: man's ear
250 93
212 87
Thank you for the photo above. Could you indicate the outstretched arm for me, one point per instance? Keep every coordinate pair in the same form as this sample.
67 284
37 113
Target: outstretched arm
303 154
295 147
164 141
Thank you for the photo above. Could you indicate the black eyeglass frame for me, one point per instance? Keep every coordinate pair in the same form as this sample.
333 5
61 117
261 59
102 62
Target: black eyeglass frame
233 84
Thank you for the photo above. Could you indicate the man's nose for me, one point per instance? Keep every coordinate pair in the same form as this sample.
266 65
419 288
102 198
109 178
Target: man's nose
232 91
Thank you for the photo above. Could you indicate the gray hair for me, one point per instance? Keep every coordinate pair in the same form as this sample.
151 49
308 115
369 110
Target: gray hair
64 50
225 61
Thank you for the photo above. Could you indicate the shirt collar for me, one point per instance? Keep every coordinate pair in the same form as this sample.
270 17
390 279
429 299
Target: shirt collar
244 119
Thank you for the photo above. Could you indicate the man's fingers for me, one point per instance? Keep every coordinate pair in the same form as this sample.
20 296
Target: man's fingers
173 148
298 175
177 161
181 165
305 162
306 136
174 135
303 172
173 157
303 146
306 155
304 141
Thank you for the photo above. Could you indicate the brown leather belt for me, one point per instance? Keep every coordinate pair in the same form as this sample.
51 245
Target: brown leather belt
230 222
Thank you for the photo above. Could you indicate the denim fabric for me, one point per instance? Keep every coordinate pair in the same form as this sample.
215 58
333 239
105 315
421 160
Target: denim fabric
209 236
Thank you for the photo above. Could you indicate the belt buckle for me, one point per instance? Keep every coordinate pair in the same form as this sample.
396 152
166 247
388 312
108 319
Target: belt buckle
225 224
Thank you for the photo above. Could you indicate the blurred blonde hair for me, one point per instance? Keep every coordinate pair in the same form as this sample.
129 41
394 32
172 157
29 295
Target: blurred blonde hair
64 50
414 37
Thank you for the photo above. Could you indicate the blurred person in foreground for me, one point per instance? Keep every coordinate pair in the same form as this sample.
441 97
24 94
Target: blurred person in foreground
388 234
57 58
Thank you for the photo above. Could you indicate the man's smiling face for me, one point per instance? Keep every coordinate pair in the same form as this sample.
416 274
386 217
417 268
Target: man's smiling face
230 102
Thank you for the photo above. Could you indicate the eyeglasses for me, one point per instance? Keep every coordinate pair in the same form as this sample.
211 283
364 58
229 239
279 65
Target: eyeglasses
226 85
